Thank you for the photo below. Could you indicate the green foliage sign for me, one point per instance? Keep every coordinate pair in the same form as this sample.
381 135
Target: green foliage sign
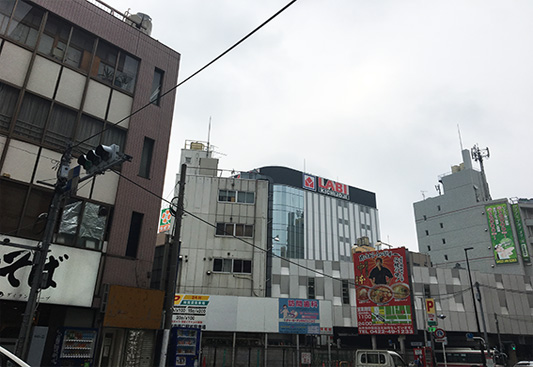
501 234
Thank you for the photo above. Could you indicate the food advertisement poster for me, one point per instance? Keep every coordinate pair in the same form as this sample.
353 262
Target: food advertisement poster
383 294
501 234
299 316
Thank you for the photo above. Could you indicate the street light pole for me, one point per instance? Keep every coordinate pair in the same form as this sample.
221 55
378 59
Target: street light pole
481 346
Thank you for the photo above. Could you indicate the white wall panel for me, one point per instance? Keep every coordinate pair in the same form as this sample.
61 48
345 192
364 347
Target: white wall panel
20 160
97 98
47 167
120 108
105 188
43 77
15 61
70 89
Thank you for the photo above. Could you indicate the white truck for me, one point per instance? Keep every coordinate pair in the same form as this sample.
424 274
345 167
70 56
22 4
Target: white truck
378 358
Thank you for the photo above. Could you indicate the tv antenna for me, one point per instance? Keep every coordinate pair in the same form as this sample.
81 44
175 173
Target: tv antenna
478 155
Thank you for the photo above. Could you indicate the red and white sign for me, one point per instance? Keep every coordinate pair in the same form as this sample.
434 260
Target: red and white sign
309 182
332 188
306 358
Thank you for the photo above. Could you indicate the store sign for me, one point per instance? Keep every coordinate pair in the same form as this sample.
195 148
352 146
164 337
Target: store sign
383 294
520 232
299 316
309 182
71 274
501 234
190 310
165 220
332 188
430 310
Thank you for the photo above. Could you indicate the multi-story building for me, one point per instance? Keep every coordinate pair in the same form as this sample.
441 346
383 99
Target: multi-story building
464 222
251 241
81 72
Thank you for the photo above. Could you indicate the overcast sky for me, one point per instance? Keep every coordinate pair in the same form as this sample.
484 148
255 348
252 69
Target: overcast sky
367 93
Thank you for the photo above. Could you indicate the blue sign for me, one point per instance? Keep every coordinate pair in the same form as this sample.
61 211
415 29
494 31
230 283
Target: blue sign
299 316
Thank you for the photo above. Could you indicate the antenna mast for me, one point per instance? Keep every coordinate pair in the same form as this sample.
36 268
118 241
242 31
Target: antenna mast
208 135
460 139
478 155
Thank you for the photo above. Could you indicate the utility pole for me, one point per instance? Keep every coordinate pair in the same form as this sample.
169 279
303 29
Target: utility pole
39 259
173 268
482 315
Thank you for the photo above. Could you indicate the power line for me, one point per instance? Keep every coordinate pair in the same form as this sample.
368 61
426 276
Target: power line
108 126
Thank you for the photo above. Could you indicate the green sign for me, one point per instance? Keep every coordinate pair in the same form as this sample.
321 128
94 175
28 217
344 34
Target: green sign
501 234
520 232
432 329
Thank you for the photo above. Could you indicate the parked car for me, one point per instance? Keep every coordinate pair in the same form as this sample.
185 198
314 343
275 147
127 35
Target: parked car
378 358
524 364
8 359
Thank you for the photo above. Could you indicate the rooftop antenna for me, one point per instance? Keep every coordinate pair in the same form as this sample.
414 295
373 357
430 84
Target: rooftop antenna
478 155
460 139
423 192
208 135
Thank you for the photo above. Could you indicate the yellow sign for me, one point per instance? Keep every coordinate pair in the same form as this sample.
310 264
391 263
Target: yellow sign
430 305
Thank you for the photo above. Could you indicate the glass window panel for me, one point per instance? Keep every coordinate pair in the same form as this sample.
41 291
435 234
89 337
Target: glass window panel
134 235
157 83
104 63
237 266
6 8
61 126
8 101
54 39
247 266
222 195
88 135
92 227
32 117
217 265
239 230
126 72
24 27
229 229
220 229
79 52
231 196
11 195
226 267
250 198
248 231
146 157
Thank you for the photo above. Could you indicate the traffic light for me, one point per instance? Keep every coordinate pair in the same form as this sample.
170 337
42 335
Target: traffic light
100 159
513 346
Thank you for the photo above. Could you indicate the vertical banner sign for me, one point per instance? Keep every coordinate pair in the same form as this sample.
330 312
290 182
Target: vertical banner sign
501 234
299 316
383 295
165 220
431 312
520 232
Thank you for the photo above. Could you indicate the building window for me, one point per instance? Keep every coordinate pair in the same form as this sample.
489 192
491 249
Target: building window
443 241
135 234
446 257
311 288
146 158
6 8
60 127
438 208
83 224
441 225
105 62
231 196
427 232
32 117
157 83
24 26
345 292
425 217
235 266
234 230
429 248
126 72
8 101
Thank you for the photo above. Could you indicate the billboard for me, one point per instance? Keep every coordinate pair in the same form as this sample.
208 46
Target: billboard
299 316
383 293
501 234
165 220
71 274
190 310
520 232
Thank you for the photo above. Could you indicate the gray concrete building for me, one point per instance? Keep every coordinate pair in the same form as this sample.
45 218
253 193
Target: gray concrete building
496 233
